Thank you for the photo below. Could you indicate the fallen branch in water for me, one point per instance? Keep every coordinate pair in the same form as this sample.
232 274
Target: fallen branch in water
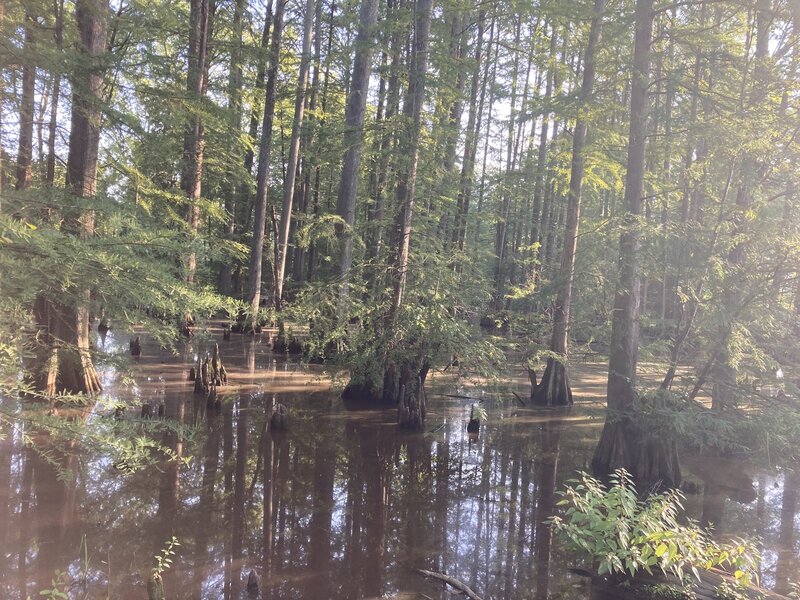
452 582
520 400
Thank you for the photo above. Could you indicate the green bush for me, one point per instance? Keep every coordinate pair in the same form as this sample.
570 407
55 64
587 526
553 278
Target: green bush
625 535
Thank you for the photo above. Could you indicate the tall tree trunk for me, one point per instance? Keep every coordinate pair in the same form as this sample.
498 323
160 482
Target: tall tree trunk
725 392
541 162
294 154
264 152
27 106
353 139
411 409
65 362
387 138
315 209
299 263
450 121
194 138
2 101
554 389
407 182
501 232
235 113
490 81
623 443
470 145
58 35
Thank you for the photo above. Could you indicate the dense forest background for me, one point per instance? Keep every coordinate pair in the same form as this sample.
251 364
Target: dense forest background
381 180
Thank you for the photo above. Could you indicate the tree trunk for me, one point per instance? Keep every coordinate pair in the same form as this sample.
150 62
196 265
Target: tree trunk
487 137
264 152
2 101
725 390
623 444
58 34
501 232
386 142
26 109
470 145
194 137
353 139
406 186
541 163
403 384
235 113
554 389
65 362
294 153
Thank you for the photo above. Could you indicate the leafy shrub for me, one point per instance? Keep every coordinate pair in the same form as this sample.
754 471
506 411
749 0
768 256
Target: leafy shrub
625 535
664 591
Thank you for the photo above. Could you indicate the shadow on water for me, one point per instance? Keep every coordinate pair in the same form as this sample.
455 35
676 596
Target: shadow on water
343 505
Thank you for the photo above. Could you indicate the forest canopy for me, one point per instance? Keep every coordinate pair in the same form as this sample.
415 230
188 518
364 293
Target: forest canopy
395 187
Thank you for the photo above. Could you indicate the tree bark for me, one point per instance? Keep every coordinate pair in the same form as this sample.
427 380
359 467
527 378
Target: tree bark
27 103
501 229
65 362
264 152
623 443
353 140
2 101
554 389
235 113
58 34
541 163
194 137
412 108
725 392
294 153
470 145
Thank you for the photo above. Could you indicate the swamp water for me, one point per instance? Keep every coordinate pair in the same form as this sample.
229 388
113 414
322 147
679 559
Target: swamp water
343 505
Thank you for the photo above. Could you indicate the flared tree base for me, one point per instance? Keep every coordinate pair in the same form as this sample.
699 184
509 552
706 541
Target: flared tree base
412 404
554 388
63 361
651 460
401 386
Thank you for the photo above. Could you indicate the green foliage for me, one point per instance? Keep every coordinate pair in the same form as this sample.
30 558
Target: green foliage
59 589
164 558
477 413
626 535
731 591
665 591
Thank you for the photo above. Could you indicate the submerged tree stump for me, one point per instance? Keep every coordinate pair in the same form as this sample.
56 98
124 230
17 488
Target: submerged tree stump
209 372
279 421
201 384
102 330
135 346
554 388
253 584
216 366
474 424
412 403
155 587
212 399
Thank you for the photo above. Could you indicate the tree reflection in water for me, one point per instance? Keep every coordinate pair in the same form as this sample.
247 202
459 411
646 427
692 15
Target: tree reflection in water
342 505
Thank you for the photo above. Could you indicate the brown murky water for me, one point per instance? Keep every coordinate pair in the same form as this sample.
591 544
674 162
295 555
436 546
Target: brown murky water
343 505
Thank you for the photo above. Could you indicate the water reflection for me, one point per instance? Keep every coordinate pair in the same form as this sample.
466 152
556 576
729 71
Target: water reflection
342 505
